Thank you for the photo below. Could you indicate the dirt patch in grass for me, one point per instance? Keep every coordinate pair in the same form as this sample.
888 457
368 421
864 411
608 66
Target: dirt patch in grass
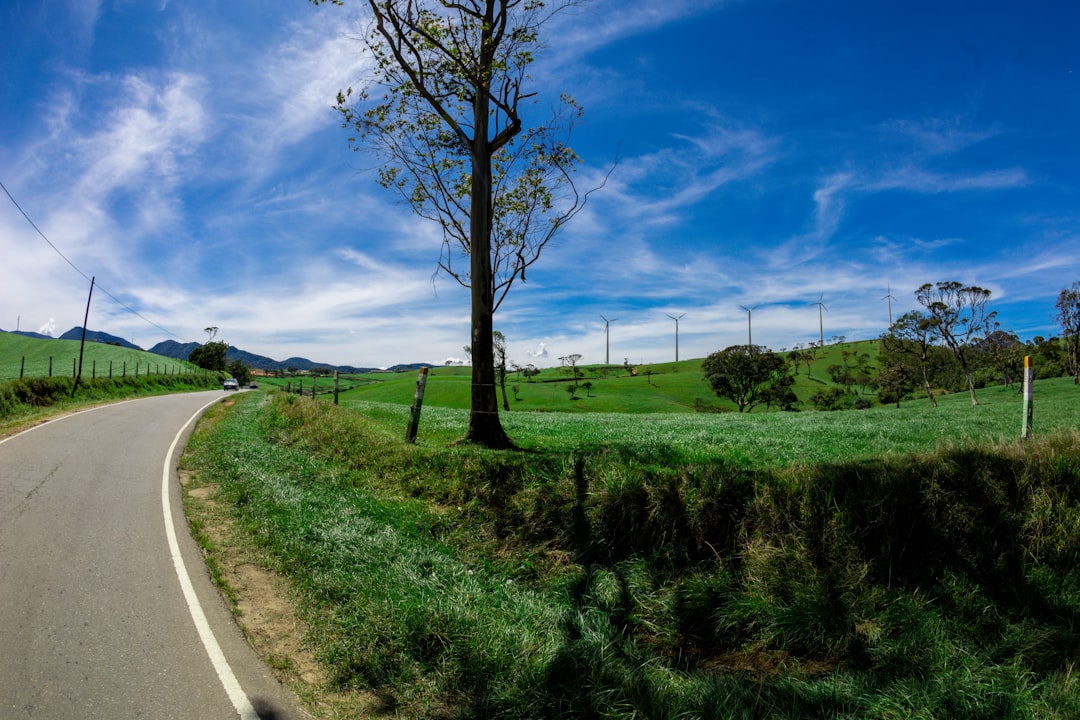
264 606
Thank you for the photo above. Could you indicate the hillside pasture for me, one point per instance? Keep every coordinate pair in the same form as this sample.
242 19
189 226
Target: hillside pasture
30 357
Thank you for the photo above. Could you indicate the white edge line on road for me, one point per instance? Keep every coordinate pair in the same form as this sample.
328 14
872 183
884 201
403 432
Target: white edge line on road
213 649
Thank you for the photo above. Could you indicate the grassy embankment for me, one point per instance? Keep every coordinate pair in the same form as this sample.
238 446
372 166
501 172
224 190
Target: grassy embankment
887 563
37 395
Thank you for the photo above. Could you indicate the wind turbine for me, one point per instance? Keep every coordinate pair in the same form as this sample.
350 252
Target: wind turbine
607 339
889 297
749 330
821 322
676 319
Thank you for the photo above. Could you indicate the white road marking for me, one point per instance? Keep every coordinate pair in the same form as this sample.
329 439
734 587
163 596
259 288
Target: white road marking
213 649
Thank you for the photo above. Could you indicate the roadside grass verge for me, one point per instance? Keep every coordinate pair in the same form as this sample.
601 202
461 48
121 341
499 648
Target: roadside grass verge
864 567
24 402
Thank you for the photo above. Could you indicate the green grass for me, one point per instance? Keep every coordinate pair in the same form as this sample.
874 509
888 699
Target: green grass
659 388
37 395
30 356
866 564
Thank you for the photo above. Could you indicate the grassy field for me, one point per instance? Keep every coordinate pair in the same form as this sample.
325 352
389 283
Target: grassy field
885 563
660 388
31 356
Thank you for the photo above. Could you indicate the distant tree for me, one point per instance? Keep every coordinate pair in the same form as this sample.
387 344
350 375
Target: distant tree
910 337
239 371
1068 306
588 388
895 382
833 398
960 318
570 362
210 356
449 127
1049 357
530 372
803 355
1001 356
748 375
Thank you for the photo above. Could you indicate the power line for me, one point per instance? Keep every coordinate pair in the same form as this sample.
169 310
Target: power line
131 310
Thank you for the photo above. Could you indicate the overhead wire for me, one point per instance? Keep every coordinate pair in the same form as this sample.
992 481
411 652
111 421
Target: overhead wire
119 302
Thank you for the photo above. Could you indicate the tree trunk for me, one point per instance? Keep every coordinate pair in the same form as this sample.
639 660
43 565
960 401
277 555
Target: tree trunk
485 427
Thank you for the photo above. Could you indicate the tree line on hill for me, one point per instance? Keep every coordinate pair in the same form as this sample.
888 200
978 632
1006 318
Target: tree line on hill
954 343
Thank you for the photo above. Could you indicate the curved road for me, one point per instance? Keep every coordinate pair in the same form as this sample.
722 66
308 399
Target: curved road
106 610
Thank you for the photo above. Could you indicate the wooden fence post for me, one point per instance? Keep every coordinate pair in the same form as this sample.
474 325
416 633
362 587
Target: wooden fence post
335 387
414 411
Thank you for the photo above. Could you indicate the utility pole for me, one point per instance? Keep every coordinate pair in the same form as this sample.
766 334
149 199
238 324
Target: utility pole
82 343
607 339
676 319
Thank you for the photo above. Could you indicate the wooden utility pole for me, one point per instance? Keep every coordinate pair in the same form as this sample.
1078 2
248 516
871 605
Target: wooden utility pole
82 343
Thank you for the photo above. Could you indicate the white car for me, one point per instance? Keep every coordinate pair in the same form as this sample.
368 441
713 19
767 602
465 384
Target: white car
231 384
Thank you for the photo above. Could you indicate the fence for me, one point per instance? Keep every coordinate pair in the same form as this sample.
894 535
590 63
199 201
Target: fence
92 368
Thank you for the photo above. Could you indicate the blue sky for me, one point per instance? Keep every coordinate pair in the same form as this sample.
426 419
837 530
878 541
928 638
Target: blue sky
770 153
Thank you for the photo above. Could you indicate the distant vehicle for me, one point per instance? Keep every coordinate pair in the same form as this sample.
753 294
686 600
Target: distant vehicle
253 385
231 384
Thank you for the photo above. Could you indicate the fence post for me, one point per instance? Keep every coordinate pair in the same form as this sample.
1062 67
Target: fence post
50 366
1029 377
414 411
93 369
125 369
335 386
22 367
73 369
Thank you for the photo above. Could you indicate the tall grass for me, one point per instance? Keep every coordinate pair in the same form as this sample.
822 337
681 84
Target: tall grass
841 565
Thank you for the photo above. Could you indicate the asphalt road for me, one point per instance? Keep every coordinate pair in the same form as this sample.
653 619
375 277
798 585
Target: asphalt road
106 609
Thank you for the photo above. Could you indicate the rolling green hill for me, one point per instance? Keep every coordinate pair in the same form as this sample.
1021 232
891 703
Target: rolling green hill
658 388
31 357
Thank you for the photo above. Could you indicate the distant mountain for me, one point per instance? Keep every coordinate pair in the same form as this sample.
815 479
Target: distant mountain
181 351
173 349
97 336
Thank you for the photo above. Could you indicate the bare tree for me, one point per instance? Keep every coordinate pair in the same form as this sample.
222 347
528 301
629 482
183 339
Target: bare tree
960 317
448 121
570 361
1068 306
